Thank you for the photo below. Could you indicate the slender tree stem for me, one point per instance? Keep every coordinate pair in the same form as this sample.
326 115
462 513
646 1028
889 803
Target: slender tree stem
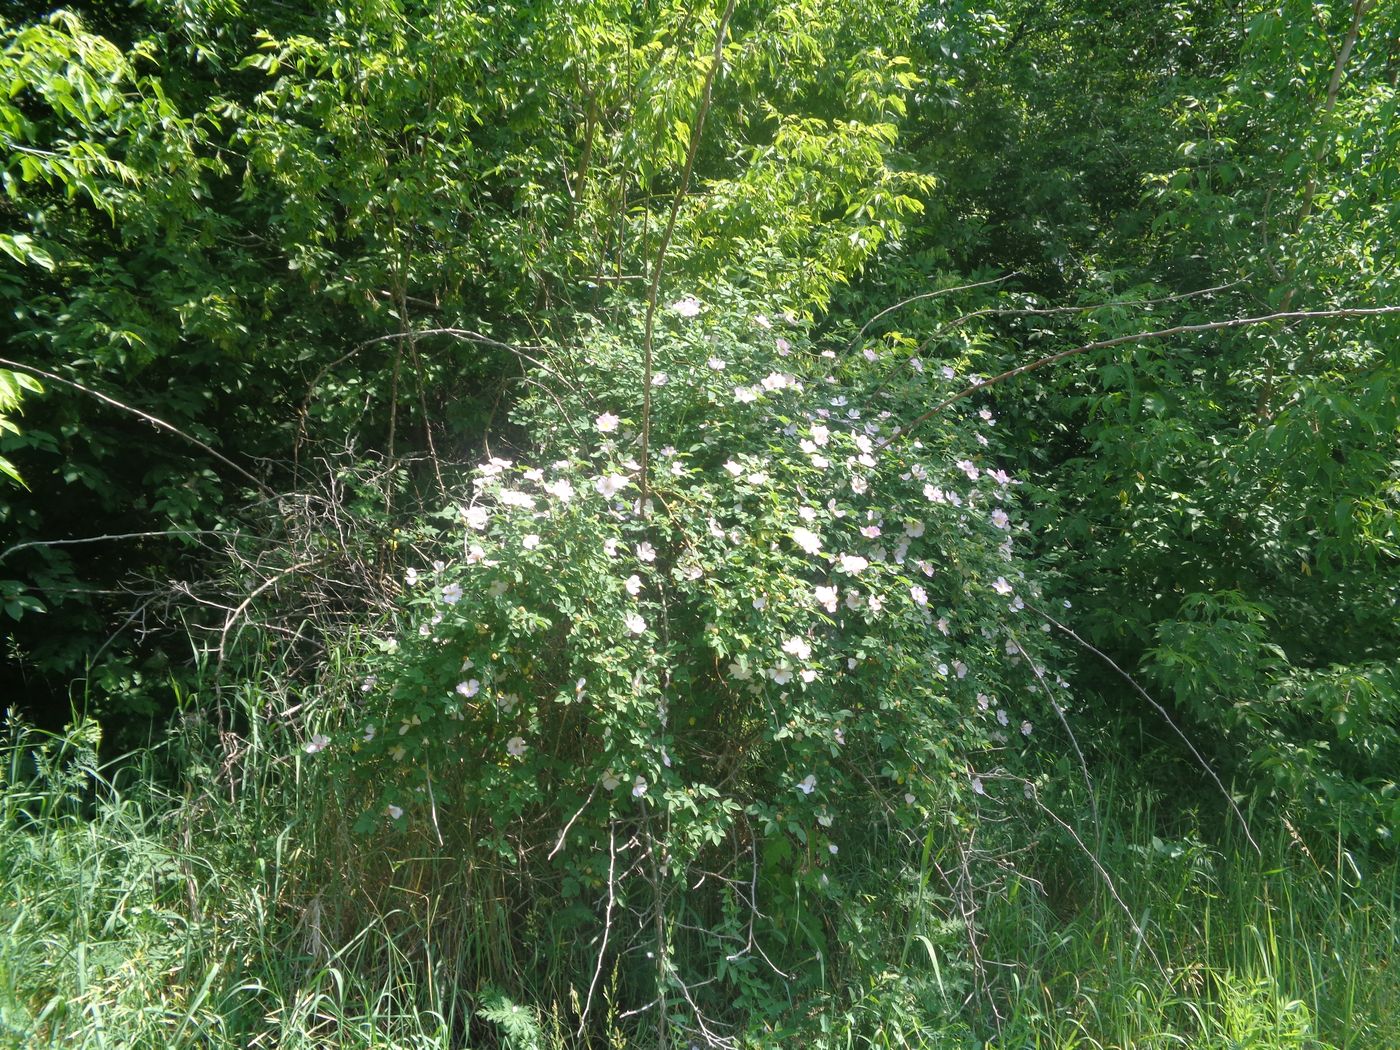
657 268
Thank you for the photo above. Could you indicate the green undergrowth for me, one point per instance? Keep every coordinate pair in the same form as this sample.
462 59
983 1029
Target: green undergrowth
231 908
1192 939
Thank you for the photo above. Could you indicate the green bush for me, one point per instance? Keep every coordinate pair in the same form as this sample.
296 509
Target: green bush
664 720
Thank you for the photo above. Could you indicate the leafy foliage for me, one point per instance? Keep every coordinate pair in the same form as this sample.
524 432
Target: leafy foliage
298 235
812 619
12 387
706 654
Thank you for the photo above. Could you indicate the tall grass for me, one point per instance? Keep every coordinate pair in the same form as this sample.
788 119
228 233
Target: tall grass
137 916
230 907
1227 948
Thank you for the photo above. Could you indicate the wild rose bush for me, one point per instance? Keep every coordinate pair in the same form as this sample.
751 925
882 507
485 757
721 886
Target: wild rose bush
681 715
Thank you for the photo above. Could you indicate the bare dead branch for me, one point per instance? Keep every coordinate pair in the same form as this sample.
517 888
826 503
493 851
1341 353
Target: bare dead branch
1166 716
607 925
112 537
1138 337
1074 740
937 293
242 607
153 420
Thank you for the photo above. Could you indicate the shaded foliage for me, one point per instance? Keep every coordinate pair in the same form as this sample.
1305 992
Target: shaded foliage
277 279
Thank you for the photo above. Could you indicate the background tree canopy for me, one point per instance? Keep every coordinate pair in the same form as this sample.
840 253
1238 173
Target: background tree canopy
358 358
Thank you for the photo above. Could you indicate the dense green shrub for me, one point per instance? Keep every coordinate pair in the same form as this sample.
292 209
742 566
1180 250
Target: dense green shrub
669 717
